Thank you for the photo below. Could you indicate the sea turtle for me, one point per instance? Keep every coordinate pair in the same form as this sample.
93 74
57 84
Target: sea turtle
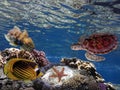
98 43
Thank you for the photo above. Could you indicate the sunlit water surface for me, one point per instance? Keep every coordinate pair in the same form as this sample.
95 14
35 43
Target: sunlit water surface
55 24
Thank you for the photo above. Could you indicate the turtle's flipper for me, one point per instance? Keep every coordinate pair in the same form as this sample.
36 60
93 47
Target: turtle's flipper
93 57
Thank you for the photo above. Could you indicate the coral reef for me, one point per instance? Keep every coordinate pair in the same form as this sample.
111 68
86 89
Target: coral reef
28 63
7 84
77 75
74 74
86 67
37 56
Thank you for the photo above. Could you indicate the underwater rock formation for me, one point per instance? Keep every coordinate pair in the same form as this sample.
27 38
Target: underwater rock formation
72 74
12 55
7 84
40 57
37 56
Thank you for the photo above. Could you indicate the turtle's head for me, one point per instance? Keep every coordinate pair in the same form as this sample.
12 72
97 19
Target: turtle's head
76 46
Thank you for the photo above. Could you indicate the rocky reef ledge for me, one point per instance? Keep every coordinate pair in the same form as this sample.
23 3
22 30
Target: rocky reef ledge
69 74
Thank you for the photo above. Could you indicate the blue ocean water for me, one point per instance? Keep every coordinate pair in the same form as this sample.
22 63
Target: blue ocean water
56 24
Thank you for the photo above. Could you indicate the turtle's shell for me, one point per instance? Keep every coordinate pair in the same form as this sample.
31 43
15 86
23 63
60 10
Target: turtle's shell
100 43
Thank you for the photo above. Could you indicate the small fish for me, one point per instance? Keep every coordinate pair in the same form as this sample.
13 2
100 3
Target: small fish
23 35
12 41
16 37
22 69
28 44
